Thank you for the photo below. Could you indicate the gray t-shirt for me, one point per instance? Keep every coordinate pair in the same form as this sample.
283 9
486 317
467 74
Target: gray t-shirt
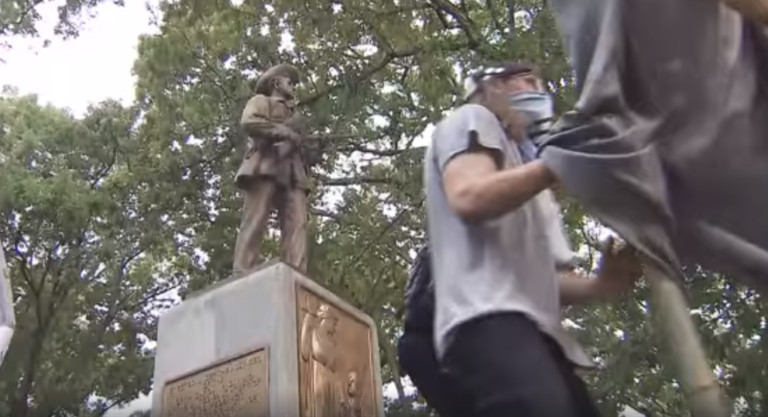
502 265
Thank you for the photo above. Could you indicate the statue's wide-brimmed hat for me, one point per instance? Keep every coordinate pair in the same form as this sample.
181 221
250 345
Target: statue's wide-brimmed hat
283 70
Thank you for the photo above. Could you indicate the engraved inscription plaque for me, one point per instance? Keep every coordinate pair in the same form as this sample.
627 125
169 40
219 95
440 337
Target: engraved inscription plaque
238 387
336 374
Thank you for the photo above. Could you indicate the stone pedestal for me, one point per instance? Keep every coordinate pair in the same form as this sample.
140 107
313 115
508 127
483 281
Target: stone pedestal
272 343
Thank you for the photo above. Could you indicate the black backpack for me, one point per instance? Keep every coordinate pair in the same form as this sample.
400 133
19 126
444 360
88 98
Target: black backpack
420 294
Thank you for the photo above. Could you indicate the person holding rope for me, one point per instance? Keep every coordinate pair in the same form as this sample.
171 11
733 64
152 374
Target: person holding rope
499 258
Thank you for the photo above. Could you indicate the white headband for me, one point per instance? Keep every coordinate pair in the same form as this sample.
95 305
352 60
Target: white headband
472 82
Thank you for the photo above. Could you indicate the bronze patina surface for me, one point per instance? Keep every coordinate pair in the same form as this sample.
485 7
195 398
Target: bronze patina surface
336 377
237 387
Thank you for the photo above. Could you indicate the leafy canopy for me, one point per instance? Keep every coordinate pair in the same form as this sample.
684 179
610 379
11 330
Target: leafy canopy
103 216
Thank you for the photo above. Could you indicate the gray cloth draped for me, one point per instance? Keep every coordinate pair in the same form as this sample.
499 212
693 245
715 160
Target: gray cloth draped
668 142
7 316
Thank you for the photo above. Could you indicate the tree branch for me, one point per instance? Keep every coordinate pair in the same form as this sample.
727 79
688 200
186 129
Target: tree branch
493 13
398 10
377 152
390 356
107 168
130 258
364 75
336 182
23 15
466 25
114 403
25 272
325 213
204 60
511 19
151 296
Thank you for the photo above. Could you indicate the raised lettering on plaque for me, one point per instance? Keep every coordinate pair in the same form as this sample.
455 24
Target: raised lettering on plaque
236 388
336 376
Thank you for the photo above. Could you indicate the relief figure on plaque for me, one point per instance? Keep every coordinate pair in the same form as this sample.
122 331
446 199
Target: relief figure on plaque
351 407
322 391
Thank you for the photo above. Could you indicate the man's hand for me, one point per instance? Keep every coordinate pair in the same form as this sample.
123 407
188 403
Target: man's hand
619 269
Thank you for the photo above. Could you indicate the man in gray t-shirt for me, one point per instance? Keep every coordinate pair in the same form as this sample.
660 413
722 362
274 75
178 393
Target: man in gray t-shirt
499 256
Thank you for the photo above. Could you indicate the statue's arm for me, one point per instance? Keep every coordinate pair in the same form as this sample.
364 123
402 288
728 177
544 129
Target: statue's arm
325 353
306 338
255 121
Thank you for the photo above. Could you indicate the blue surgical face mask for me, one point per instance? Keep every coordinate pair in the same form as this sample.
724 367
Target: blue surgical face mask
537 108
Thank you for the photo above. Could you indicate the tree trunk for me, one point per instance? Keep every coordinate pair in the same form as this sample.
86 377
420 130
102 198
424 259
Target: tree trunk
391 358
20 407
393 364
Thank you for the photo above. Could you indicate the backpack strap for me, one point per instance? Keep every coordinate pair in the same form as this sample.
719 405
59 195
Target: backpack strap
420 294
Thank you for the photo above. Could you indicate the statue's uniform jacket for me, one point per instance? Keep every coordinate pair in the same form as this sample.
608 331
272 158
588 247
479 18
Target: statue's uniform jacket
270 181
260 115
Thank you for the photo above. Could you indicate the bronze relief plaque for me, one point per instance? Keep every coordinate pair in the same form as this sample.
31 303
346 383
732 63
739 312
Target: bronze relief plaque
237 387
336 372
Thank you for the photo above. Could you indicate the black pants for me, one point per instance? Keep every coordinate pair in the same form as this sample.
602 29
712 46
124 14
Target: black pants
416 354
507 367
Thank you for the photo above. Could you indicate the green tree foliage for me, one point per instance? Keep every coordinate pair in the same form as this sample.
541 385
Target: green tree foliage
20 17
380 73
101 216
407 406
85 260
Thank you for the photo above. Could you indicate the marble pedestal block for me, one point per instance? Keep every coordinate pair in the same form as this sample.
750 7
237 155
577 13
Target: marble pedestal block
272 343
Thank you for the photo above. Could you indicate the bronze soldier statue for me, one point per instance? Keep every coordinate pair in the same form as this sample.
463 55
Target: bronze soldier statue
273 174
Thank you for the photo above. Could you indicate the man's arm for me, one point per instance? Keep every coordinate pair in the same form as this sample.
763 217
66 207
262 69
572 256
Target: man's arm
469 149
577 288
477 190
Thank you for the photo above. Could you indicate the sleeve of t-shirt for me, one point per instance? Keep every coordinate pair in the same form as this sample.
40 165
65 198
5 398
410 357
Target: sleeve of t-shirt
468 128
